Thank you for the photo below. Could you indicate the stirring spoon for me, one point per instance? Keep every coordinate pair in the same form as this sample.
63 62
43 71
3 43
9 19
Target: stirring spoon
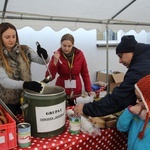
48 78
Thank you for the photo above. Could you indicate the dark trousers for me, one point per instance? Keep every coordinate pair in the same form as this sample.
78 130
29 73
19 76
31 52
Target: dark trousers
15 108
70 102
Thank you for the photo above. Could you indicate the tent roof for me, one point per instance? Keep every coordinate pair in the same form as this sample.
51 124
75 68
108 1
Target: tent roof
73 14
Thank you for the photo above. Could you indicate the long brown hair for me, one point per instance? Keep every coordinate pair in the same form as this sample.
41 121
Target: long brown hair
67 37
3 27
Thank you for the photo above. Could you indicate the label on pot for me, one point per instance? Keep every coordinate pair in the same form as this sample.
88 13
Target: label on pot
50 118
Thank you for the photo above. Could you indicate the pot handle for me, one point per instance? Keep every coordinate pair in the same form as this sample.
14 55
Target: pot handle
24 106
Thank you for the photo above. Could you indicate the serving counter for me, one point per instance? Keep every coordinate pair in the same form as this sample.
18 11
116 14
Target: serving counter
108 139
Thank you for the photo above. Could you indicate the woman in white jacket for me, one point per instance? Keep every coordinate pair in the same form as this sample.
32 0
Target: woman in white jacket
15 63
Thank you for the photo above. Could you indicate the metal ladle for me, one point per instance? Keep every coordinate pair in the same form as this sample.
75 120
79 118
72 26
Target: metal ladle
48 78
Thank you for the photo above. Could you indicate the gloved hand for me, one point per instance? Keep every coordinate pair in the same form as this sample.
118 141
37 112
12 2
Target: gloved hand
33 86
42 51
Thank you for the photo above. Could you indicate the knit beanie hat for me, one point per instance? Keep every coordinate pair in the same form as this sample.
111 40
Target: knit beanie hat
142 86
126 45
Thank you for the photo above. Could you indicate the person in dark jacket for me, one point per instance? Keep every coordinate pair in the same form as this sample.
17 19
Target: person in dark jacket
136 57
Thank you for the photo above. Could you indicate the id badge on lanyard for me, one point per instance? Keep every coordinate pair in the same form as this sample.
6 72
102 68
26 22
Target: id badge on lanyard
70 84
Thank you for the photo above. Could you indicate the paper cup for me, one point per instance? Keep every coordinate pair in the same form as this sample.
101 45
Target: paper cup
86 125
69 112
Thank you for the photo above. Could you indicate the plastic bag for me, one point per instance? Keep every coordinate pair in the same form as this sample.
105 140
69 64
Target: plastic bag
83 100
88 128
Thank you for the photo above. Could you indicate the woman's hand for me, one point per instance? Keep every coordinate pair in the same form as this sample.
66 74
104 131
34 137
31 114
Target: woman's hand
42 51
91 93
56 57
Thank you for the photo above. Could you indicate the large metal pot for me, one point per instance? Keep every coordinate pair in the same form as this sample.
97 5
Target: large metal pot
46 112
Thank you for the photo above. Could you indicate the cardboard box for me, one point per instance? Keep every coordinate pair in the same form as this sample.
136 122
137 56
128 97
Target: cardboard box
114 79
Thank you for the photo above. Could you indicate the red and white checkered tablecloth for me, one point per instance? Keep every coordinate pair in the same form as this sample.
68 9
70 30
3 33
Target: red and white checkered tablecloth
109 139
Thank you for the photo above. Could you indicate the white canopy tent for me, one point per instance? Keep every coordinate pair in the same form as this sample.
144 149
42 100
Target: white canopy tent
73 14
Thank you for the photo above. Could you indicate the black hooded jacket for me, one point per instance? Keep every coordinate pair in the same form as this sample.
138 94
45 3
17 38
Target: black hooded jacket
123 95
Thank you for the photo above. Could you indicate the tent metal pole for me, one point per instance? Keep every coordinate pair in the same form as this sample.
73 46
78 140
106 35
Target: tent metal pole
107 57
122 9
4 9
118 22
